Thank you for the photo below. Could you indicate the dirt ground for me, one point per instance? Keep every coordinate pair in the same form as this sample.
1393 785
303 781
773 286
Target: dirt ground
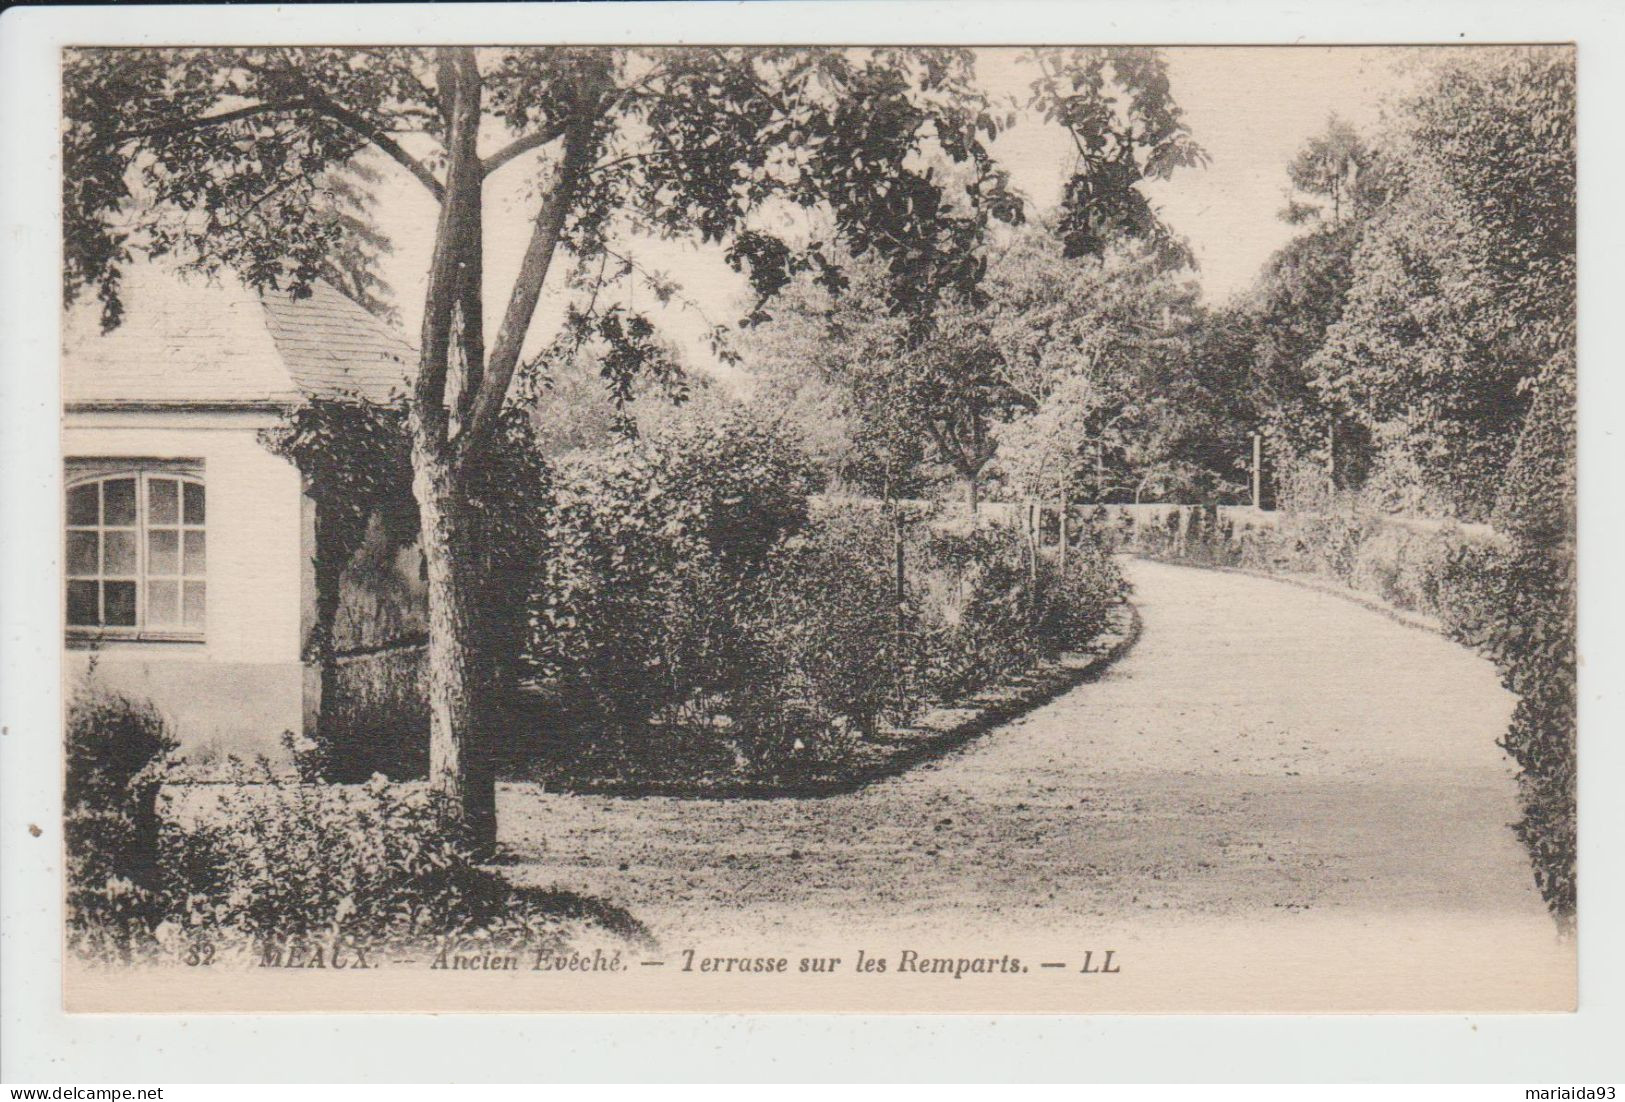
1265 753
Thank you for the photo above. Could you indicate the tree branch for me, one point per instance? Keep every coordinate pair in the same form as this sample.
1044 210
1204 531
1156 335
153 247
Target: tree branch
527 287
379 137
313 101
521 146
169 130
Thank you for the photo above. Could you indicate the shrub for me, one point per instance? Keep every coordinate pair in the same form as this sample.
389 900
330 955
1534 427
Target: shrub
1077 603
840 649
658 546
264 863
115 749
259 860
694 601
261 865
977 607
1518 605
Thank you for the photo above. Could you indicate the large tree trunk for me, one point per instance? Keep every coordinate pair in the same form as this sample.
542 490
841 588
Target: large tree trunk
973 493
460 762
457 401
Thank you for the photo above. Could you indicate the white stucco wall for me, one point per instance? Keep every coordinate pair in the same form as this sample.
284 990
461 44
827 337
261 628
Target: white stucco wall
242 686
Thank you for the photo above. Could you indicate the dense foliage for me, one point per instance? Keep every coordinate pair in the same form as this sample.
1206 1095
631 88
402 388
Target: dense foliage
695 604
260 865
115 750
1067 374
1427 337
266 865
654 543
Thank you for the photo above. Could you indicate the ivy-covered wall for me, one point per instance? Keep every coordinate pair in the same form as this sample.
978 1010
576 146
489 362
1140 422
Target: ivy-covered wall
369 625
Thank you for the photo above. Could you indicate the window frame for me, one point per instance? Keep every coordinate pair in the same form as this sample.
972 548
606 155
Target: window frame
81 472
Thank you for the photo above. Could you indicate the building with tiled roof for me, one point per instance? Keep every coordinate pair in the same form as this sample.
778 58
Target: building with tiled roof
189 548
193 341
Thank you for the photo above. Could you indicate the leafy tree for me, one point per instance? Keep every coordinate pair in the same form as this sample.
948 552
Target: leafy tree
1499 132
821 364
1189 439
687 142
1299 295
1089 343
1052 331
1051 448
908 387
1334 169
1462 287
1339 181
1116 106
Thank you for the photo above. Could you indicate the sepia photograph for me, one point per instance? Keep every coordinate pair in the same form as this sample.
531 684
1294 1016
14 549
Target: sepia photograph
920 528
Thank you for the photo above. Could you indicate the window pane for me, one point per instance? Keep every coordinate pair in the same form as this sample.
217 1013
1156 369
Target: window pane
118 553
194 503
163 551
82 604
82 504
118 501
195 556
163 604
163 501
84 553
192 612
118 603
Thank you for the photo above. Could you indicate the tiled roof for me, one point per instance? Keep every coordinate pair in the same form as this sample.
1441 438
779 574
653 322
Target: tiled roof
334 349
188 341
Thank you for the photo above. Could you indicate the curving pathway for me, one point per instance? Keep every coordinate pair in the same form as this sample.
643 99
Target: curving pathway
1264 752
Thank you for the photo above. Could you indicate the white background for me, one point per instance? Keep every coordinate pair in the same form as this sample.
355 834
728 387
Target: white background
39 1044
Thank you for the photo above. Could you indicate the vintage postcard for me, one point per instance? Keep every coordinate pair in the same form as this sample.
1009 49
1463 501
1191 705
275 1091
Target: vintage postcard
1066 528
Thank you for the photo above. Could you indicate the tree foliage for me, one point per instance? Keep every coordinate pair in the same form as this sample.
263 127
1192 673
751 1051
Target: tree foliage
1053 332
1117 107
1462 285
1425 335
1335 169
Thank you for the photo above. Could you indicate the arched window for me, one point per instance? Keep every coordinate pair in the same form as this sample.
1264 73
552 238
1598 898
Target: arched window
136 552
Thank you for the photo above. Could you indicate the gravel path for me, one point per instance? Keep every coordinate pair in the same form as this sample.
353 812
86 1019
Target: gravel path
1263 752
